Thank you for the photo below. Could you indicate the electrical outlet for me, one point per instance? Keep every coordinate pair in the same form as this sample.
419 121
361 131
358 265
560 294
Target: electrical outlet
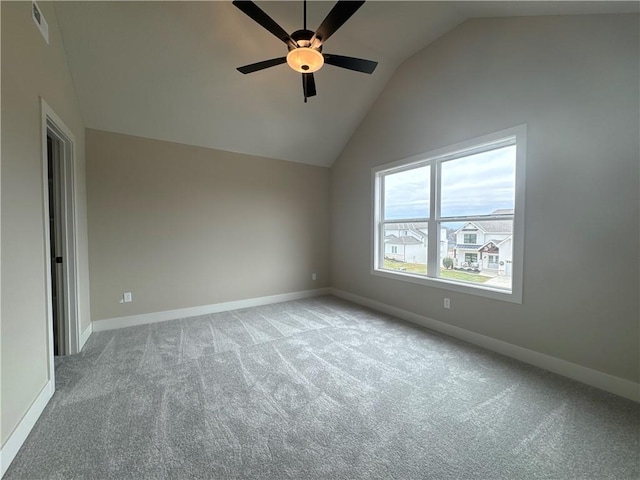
127 297
314 276
447 303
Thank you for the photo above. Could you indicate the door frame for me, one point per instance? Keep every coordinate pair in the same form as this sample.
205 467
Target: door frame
53 125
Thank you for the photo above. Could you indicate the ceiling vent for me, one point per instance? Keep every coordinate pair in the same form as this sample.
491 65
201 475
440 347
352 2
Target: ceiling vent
42 24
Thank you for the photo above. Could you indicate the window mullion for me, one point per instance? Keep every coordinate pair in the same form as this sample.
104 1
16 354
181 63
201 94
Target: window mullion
380 247
434 213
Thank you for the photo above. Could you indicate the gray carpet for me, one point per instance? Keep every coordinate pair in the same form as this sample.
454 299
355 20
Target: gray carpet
318 389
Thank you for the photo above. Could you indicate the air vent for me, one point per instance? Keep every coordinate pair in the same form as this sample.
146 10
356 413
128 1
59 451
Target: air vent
42 24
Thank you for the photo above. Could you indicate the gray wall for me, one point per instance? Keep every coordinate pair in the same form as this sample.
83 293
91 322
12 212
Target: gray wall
574 81
31 68
182 226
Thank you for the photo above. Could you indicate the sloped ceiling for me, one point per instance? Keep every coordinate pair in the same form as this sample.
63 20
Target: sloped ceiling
167 70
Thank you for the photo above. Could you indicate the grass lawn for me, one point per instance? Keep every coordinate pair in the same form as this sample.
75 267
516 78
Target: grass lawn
449 274
405 267
463 276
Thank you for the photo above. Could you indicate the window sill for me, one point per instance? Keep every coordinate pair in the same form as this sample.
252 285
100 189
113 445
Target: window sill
478 290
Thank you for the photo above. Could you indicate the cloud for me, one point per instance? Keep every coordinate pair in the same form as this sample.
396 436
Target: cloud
473 185
407 194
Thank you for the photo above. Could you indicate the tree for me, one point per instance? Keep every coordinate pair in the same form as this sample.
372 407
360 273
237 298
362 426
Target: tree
447 262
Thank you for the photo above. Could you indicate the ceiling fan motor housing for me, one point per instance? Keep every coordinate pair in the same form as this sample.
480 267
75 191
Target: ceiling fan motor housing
303 39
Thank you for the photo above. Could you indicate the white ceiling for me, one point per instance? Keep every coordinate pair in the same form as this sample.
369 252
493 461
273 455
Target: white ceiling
167 70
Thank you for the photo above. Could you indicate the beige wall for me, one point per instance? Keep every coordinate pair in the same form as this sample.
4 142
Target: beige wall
31 68
182 226
574 81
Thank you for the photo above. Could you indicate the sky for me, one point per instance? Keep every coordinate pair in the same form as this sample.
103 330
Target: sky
473 185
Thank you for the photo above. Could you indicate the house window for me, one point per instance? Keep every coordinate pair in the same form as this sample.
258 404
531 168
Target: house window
477 183
394 249
470 238
471 258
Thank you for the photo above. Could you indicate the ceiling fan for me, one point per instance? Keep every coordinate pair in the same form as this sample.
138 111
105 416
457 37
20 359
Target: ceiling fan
305 47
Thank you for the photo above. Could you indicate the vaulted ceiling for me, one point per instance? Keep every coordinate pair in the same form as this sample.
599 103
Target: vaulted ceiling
167 70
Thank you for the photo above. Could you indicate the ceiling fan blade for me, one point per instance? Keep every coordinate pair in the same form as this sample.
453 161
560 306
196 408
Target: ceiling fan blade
252 10
308 86
254 67
339 14
351 63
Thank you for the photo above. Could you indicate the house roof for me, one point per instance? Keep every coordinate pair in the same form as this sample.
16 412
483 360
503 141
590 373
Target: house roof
489 226
403 240
466 246
410 227
503 211
407 226
495 226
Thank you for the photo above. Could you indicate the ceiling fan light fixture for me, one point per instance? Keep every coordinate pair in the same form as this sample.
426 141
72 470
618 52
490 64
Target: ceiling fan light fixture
305 60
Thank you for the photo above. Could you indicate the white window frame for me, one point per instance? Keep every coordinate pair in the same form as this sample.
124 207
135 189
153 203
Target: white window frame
512 136
464 238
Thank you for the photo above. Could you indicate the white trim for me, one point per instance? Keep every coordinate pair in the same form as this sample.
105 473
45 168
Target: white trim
511 136
604 381
445 284
84 336
19 435
2 470
133 320
47 255
52 123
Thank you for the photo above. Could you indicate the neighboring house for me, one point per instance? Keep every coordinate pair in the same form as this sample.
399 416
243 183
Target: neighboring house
496 256
485 245
407 242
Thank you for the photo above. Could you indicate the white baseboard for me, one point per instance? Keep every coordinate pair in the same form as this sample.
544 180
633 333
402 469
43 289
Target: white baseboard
16 439
133 320
595 378
84 336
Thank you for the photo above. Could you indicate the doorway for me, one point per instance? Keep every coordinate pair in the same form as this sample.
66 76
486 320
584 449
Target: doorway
56 244
60 235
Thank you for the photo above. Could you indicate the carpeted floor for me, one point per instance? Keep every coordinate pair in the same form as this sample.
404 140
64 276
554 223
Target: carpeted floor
318 389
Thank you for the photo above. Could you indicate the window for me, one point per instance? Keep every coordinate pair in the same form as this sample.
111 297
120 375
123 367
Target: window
394 249
471 258
470 238
475 186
